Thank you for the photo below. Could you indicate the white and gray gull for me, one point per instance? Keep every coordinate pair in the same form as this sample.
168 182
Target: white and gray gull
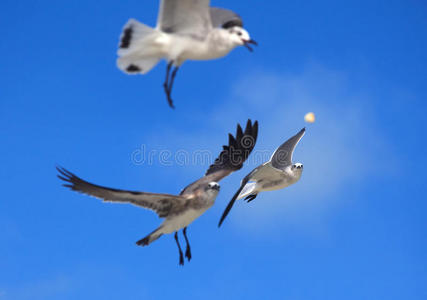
279 172
178 210
186 30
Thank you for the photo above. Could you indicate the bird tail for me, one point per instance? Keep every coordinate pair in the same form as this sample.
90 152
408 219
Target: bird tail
140 48
247 190
150 238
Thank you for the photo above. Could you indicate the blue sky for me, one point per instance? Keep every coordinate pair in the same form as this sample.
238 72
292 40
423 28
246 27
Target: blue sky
352 228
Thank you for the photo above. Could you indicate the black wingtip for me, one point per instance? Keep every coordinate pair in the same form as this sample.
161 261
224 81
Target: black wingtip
238 149
62 178
58 168
227 209
64 172
69 178
239 132
231 140
231 203
255 130
143 242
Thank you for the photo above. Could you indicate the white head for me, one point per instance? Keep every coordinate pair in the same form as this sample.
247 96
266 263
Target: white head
240 37
297 168
212 187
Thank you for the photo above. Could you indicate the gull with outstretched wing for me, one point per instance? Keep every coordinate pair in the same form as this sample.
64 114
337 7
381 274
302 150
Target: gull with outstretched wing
279 172
181 210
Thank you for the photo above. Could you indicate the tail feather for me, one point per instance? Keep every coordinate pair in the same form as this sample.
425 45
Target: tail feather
135 64
139 48
150 238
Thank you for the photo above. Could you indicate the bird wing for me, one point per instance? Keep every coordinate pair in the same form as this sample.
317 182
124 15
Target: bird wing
224 18
185 17
282 157
236 195
159 203
231 203
231 157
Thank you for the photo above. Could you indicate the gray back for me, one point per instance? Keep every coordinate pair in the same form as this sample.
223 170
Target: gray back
185 16
224 18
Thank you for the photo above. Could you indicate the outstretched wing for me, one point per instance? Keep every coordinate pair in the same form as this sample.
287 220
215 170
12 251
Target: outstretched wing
231 203
185 17
231 157
282 157
224 18
159 203
236 195
235 153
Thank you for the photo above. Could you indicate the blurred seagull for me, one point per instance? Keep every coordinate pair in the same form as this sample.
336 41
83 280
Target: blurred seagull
178 210
279 172
186 30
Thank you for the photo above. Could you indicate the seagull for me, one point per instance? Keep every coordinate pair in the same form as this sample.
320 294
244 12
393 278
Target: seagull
279 172
186 30
181 210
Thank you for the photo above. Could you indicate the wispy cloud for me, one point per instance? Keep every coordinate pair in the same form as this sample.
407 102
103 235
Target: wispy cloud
342 149
50 288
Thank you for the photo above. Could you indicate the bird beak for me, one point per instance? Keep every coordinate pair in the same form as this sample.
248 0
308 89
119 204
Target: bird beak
247 42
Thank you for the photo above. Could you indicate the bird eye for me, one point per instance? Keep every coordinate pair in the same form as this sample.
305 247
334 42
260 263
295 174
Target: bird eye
239 33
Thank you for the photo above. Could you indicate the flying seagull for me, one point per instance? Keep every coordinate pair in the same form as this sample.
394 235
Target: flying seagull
186 30
279 172
180 210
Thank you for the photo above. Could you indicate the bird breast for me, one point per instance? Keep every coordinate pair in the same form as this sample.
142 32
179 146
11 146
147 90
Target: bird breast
196 48
270 179
177 222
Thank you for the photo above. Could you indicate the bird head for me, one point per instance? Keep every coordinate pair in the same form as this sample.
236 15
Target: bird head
213 186
240 37
297 167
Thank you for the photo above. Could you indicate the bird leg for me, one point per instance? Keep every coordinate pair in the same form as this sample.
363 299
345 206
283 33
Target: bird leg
167 85
181 256
172 79
168 70
188 249
251 197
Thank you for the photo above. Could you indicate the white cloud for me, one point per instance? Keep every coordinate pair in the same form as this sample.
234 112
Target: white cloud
344 148
40 289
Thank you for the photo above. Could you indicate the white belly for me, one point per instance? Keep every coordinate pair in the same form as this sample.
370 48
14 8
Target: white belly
274 184
183 48
180 221
268 178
